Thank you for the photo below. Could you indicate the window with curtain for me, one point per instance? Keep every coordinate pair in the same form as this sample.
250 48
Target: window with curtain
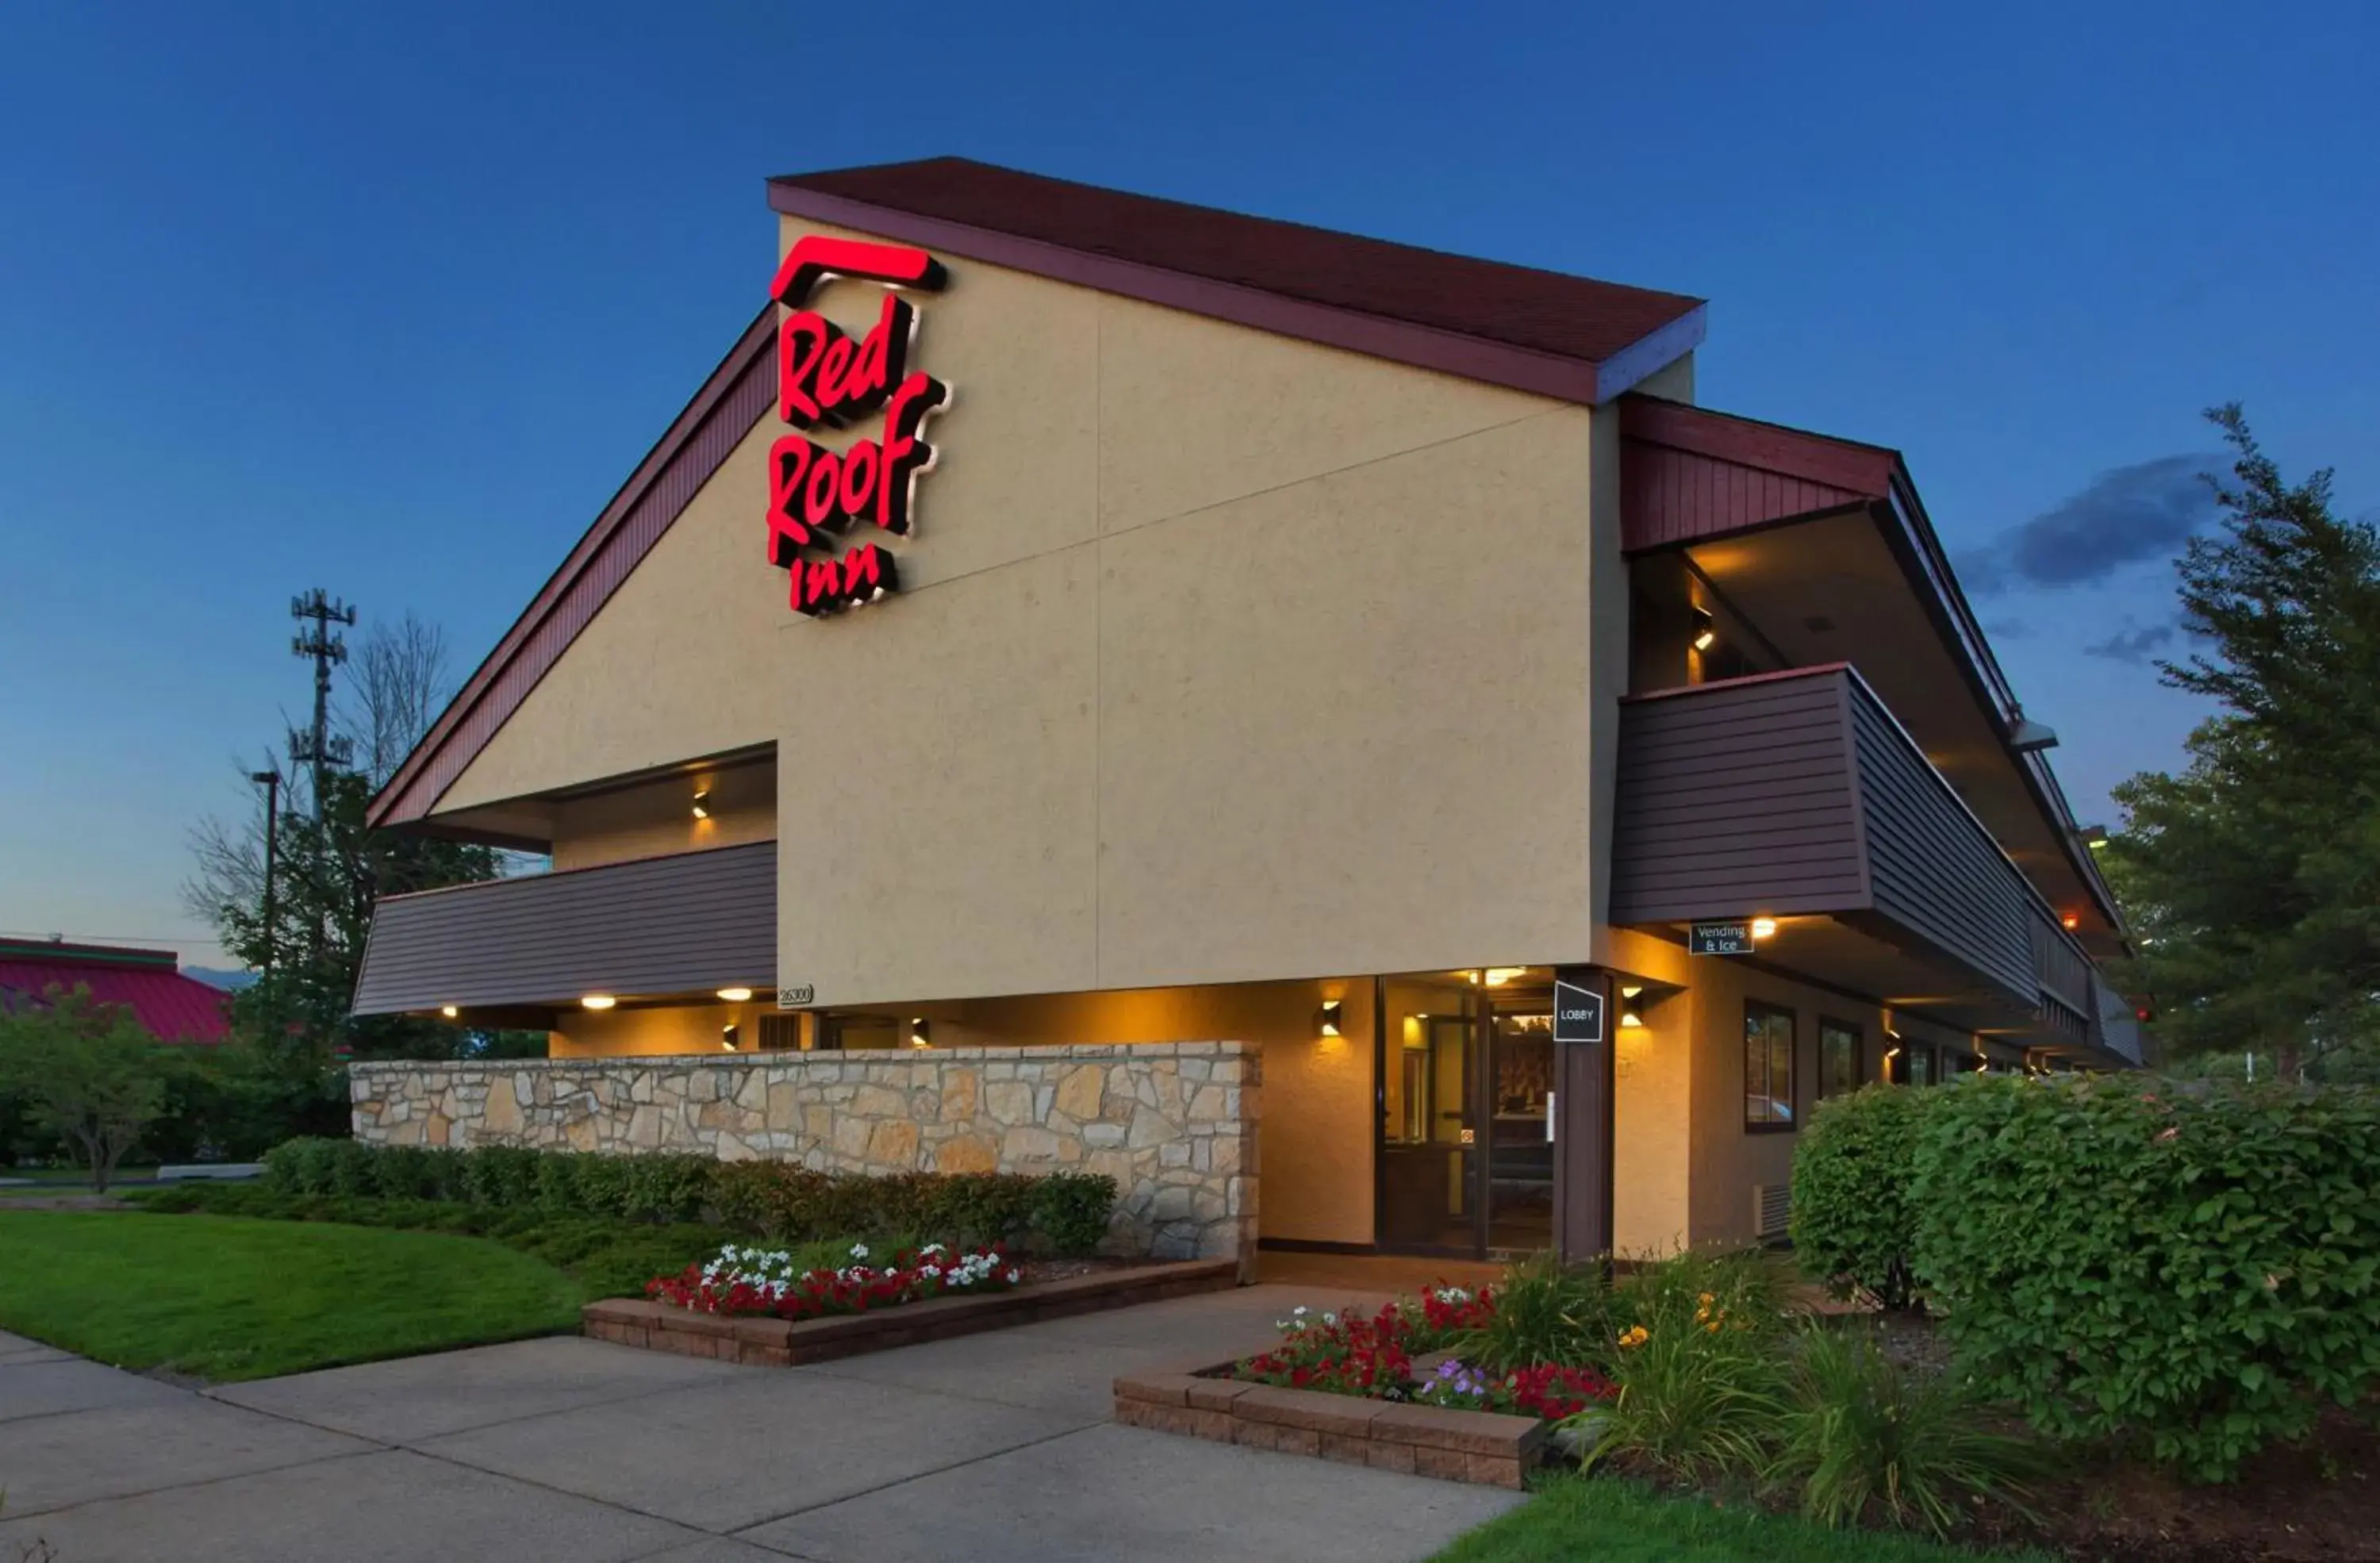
1767 1067
1838 1058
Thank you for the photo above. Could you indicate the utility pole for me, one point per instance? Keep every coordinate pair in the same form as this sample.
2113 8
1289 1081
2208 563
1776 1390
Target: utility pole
318 748
271 781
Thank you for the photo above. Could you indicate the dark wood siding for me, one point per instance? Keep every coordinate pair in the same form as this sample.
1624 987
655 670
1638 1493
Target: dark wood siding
2063 971
686 923
1932 869
1736 798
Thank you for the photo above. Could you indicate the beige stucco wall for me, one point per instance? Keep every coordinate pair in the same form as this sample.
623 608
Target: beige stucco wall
656 818
1222 657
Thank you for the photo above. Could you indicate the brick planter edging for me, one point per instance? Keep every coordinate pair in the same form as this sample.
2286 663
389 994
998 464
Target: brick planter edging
773 1342
1488 1448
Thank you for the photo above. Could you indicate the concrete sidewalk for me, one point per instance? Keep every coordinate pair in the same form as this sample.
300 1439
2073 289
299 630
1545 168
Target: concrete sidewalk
993 1446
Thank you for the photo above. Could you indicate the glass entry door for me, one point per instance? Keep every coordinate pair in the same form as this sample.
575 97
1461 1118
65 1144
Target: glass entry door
1465 1152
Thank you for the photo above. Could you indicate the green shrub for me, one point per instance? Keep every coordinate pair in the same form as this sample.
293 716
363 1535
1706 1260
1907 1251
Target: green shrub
1546 1312
2196 1269
500 1175
1864 1439
1063 1213
300 1166
1070 1210
666 1188
1693 1355
1855 1226
351 1169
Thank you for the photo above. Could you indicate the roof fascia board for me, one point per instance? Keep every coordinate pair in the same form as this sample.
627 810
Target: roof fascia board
394 803
1472 357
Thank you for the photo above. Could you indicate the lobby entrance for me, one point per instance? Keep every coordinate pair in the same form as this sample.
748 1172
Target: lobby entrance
1465 1072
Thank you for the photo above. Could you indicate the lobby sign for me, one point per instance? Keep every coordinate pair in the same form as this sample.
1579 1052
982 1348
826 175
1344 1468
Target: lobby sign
826 380
1578 1013
1720 939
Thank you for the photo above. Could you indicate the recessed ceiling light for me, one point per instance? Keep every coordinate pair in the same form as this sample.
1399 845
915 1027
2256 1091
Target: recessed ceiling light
598 1002
736 995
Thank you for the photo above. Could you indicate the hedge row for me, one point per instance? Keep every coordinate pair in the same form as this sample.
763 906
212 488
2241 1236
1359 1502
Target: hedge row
1061 1213
2195 1270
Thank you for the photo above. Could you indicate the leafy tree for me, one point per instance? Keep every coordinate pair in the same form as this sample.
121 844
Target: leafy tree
2253 877
332 867
85 1072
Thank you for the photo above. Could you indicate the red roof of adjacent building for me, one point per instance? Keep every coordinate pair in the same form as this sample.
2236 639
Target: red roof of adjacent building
169 1006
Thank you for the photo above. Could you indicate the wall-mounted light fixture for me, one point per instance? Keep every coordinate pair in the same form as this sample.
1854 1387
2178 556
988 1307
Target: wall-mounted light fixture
1764 927
730 1035
736 995
702 802
2068 921
921 1032
2094 837
1705 630
449 1010
597 1001
1334 1012
1629 1020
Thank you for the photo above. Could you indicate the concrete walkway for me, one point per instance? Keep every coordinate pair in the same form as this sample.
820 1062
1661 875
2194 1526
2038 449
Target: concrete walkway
994 1447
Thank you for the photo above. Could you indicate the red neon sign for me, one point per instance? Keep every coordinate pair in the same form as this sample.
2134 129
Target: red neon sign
827 379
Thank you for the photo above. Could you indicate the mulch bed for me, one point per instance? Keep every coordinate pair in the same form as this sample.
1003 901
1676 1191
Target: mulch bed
2290 1506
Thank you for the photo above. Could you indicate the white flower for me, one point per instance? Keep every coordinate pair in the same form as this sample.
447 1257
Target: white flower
1012 1277
859 1251
1298 1312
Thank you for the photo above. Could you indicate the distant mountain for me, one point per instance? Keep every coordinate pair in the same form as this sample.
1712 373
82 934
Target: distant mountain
230 982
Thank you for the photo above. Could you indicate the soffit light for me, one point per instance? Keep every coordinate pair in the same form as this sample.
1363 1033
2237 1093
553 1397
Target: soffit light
597 1001
736 995
1764 927
449 1010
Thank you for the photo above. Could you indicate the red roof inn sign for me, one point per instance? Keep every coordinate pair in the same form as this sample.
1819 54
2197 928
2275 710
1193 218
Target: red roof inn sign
827 380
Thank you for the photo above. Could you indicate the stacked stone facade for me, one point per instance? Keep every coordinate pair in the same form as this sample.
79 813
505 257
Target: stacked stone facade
1174 1124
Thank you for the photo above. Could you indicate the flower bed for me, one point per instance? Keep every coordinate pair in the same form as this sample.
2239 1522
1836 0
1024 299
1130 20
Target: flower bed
1361 1388
845 1319
769 1281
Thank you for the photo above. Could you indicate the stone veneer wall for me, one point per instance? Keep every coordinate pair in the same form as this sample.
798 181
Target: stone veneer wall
1174 1124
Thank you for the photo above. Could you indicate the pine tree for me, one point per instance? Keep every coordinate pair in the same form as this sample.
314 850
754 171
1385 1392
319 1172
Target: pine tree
2252 877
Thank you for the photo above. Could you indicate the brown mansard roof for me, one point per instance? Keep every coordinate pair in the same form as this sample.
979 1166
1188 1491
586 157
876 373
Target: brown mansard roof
1562 336
1537 330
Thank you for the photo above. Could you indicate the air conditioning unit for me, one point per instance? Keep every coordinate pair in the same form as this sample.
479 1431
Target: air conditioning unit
1772 1210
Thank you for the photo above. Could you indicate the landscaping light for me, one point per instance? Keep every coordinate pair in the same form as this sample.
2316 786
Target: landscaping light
1764 927
1333 1012
736 995
597 1001
449 1010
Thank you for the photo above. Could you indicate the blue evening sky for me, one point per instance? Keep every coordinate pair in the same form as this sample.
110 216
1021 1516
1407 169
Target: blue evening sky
388 298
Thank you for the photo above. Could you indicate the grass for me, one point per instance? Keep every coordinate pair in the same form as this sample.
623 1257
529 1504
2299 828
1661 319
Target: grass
1613 1522
223 1299
608 1256
68 1180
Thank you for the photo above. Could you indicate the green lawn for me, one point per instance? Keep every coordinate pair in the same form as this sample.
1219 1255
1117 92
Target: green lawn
225 1298
1613 1522
65 1180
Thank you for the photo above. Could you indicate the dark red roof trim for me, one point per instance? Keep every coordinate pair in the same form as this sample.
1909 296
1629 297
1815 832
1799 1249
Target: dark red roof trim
1688 475
698 440
1531 330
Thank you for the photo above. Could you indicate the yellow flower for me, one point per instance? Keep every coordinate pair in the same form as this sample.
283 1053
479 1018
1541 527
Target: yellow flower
1706 1300
1634 1336
1712 1328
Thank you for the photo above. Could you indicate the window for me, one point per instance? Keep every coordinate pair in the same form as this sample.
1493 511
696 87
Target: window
1839 1064
1767 1067
1921 1066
